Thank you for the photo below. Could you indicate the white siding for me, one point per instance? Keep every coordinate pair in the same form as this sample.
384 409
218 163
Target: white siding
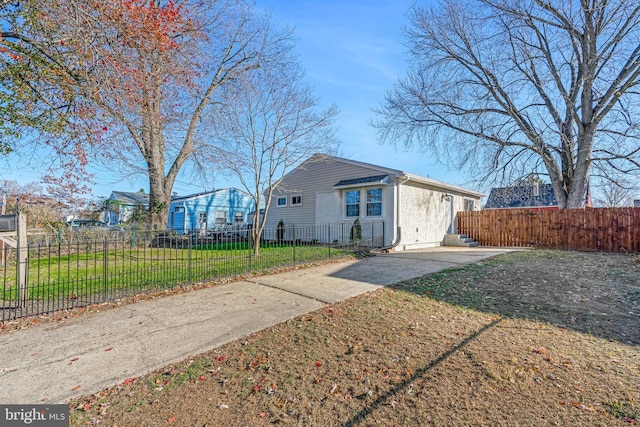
426 215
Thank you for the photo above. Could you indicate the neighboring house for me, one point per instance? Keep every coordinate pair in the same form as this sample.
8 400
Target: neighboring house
539 196
392 206
126 204
211 210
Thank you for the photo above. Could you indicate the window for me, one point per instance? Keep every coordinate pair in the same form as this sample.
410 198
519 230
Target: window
282 201
221 217
179 209
469 205
202 217
353 203
296 200
238 217
374 202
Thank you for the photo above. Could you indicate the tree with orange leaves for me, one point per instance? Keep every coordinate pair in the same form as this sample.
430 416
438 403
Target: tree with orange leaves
129 81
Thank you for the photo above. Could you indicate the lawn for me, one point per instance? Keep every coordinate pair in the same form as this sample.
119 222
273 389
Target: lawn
115 269
526 338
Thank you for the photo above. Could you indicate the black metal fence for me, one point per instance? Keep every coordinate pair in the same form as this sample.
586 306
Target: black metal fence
71 269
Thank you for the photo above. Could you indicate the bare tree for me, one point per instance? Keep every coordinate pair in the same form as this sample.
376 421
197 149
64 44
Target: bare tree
143 75
270 122
614 194
508 87
42 210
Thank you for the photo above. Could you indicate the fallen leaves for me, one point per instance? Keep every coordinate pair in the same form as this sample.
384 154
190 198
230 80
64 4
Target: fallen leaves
540 350
582 406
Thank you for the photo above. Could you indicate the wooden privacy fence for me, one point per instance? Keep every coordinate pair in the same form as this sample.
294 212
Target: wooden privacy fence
599 229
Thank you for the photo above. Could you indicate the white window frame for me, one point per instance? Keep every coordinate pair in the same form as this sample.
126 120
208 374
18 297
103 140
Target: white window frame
347 204
222 217
367 203
238 217
293 197
278 199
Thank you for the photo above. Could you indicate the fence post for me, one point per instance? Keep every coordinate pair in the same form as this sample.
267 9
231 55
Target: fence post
294 243
23 255
250 249
329 238
189 261
105 268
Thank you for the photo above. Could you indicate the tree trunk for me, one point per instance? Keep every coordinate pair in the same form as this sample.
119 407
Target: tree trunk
158 200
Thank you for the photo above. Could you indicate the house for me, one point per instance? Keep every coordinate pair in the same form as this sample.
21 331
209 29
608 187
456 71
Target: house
212 210
538 196
122 205
393 207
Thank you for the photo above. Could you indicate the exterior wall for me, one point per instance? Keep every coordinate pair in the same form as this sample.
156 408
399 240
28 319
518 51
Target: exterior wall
321 204
125 211
231 201
425 209
427 214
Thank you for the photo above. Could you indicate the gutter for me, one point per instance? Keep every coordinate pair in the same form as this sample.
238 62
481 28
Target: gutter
398 227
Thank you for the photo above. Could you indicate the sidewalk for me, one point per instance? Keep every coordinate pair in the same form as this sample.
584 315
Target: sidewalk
54 362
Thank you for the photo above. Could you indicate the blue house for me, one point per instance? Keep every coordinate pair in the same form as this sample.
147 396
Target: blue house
212 210
123 206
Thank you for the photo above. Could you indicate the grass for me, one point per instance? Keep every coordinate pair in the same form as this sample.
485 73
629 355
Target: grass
430 351
123 269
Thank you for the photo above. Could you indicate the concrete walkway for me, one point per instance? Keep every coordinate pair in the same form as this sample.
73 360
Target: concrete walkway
54 362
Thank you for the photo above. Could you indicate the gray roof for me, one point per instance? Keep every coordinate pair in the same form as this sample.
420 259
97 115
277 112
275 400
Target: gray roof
128 198
522 196
365 180
395 173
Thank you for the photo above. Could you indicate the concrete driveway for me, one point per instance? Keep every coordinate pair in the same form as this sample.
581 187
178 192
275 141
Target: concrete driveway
54 362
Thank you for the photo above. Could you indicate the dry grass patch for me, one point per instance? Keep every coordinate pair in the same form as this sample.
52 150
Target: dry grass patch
440 350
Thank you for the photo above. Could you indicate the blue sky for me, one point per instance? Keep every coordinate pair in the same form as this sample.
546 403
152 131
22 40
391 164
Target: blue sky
352 51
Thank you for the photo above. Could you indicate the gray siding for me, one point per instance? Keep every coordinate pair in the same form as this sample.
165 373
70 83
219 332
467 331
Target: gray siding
426 211
314 176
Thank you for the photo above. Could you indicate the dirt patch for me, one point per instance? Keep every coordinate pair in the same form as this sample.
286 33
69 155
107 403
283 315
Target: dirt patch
515 340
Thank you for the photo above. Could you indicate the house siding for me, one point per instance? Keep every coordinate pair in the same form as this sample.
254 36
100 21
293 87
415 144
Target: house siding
424 209
312 178
231 201
129 203
427 214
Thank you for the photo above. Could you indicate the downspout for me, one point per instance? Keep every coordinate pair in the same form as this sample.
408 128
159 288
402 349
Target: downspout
398 228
